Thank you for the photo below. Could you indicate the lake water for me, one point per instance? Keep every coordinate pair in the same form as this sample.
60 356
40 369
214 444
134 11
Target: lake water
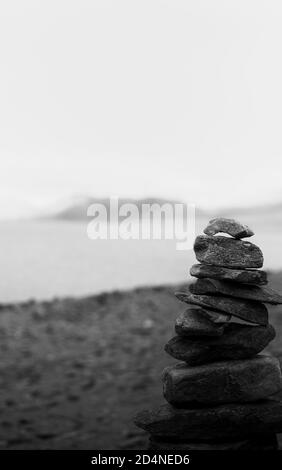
42 260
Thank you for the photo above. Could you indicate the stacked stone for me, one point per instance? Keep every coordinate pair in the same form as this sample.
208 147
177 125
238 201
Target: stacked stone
222 396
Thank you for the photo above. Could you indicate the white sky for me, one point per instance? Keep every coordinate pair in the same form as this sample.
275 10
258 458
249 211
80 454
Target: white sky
170 98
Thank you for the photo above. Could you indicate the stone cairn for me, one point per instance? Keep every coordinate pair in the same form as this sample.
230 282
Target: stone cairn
222 396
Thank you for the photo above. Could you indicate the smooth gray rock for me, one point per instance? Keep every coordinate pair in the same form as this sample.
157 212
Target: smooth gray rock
242 276
222 382
248 310
215 287
254 443
200 322
237 342
227 252
209 423
229 226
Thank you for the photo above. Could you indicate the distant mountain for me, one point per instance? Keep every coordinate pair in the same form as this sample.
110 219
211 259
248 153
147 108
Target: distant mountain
76 208
261 209
262 212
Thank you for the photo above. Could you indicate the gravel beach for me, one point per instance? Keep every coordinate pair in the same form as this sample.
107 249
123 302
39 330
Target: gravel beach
75 371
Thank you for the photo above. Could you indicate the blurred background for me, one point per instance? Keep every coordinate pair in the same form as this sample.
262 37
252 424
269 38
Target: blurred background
163 100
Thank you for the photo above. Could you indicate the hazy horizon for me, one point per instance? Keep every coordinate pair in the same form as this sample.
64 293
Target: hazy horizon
156 98
74 200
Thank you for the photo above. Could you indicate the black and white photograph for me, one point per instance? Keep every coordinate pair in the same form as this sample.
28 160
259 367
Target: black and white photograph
141 228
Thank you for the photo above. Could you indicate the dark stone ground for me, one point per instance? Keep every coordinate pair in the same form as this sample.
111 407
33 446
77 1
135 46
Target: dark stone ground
75 371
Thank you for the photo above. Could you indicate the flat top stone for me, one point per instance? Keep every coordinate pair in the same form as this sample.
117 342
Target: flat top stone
237 342
229 226
249 310
242 276
217 422
200 322
227 252
216 287
223 382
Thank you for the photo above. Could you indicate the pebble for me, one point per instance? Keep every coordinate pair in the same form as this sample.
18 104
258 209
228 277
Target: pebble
227 252
222 382
200 322
229 226
238 342
249 310
242 276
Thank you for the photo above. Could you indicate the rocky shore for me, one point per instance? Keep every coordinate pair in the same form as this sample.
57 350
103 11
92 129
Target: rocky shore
75 371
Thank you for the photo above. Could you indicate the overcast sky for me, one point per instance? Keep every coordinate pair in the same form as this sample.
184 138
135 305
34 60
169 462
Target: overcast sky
171 98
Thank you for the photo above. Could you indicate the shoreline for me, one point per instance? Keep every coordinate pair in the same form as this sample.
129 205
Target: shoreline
74 371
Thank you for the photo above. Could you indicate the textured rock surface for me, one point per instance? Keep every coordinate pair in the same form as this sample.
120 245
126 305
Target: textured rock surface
220 422
227 252
200 322
242 276
255 443
248 310
215 287
222 382
237 342
230 226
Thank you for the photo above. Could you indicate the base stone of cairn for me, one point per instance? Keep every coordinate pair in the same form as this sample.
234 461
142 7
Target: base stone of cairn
264 442
223 395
